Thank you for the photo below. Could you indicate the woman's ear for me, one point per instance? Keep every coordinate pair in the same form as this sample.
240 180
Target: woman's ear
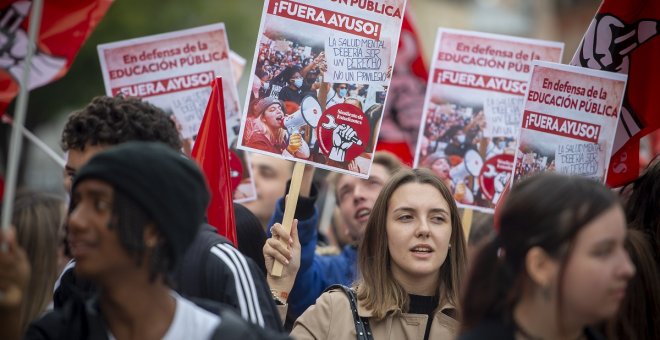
541 267
151 236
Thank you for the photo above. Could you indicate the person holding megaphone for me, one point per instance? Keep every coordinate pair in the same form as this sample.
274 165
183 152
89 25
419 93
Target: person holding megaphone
265 131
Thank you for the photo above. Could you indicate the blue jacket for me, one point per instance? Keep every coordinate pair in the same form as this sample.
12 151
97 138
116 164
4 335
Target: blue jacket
316 272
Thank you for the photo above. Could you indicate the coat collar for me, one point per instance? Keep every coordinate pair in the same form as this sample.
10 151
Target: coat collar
363 311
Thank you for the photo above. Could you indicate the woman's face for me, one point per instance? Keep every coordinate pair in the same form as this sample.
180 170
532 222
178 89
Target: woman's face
441 168
418 231
273 116
598 269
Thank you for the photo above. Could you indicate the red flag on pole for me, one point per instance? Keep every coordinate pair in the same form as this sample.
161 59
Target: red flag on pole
65 25
211 151
624 37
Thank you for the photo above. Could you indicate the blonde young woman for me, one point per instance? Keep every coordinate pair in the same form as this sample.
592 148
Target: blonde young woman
411 261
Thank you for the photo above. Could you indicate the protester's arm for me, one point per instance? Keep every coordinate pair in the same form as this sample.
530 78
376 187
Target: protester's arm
14 278
319 60
286 250
306 214
305 209
322 96
309 285
309 282
233 279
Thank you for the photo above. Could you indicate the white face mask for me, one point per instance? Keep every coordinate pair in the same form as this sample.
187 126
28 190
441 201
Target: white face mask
501 145
266 86
461 138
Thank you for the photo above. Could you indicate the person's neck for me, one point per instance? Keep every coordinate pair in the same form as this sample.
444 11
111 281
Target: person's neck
537 317
273 131
133 307
425 285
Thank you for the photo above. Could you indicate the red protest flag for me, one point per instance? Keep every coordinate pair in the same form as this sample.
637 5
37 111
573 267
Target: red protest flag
624 37
65 26
211 151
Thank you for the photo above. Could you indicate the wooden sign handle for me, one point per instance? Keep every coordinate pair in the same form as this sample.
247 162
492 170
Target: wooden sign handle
467 223
290 208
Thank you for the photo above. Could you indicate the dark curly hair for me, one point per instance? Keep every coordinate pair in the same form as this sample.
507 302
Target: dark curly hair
115 120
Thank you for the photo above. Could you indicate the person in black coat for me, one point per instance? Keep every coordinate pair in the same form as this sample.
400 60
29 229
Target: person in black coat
557 267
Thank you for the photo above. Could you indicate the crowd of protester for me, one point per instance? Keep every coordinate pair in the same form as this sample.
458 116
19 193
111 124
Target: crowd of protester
131 256
532 163
450 133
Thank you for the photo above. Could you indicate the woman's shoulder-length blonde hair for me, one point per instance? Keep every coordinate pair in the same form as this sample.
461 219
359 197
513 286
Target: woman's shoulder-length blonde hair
38 218
377 289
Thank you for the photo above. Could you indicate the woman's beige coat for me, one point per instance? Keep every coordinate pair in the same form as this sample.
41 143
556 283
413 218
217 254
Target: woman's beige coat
331 318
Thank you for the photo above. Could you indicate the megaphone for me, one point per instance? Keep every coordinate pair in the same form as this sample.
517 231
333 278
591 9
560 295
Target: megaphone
309 113
470 166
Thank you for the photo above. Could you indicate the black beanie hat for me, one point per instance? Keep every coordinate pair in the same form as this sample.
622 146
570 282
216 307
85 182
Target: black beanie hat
167 185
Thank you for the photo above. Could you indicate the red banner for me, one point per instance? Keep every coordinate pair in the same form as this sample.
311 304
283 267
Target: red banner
65 25
211 153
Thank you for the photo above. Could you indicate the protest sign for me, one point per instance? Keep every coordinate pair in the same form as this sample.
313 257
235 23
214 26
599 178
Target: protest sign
473 108
312 56
569 121
174 71
237 65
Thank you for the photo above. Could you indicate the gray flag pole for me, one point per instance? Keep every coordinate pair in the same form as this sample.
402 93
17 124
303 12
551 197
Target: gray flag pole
38 143
16 141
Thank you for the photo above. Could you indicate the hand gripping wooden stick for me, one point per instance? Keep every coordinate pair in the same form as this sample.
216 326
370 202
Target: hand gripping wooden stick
290 209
